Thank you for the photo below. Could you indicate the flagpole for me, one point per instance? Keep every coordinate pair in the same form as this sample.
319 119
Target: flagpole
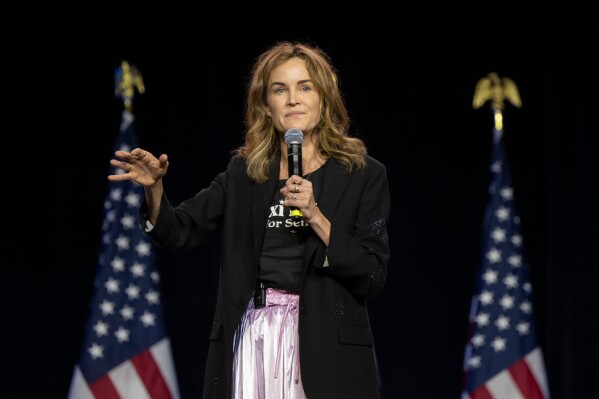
126 352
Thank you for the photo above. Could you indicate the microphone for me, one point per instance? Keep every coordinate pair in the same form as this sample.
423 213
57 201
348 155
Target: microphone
294 139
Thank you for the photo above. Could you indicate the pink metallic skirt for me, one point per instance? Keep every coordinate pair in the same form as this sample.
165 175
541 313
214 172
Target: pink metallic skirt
266 352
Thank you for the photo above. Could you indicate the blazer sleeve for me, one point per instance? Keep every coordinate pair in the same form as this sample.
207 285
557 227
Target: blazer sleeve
193 220
359 253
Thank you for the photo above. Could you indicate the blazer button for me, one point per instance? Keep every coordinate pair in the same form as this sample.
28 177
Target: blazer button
303 309
215 382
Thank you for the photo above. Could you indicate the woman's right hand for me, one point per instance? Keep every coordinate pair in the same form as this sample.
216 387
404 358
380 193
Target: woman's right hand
139 166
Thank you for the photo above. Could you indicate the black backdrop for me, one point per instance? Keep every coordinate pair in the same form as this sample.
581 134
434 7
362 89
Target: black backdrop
408 75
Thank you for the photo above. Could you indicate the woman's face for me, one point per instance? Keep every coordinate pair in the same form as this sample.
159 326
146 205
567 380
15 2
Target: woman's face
292 100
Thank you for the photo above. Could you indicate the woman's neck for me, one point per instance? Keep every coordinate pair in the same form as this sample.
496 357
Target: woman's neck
311 159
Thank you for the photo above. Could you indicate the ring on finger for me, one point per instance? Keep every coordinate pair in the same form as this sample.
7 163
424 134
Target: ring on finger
296 189
293 197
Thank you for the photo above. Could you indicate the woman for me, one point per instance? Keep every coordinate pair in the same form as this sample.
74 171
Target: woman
291 319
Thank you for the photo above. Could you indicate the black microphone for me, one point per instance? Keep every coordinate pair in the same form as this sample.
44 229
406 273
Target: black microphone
294 139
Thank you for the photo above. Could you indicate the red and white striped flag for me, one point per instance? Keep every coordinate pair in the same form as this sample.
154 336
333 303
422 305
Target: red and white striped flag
503 359
126 353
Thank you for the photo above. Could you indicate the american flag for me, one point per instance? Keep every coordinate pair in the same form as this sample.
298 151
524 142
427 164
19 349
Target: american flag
503 359
126 353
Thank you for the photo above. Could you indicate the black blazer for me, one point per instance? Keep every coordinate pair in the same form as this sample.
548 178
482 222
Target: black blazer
337 357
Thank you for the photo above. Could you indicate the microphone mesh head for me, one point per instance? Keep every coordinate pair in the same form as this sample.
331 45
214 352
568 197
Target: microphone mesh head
294 136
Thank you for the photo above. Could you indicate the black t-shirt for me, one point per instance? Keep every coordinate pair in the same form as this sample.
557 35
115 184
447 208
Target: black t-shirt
281 259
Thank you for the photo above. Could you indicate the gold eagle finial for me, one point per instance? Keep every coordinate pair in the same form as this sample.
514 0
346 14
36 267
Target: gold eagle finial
496 89
126 79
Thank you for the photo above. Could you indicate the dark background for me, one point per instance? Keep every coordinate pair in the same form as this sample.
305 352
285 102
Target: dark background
408 74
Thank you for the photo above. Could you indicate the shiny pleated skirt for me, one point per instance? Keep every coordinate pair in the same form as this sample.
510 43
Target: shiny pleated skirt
266 352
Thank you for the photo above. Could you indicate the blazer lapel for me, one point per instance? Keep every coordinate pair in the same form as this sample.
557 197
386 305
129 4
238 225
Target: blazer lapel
262 199
329 201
